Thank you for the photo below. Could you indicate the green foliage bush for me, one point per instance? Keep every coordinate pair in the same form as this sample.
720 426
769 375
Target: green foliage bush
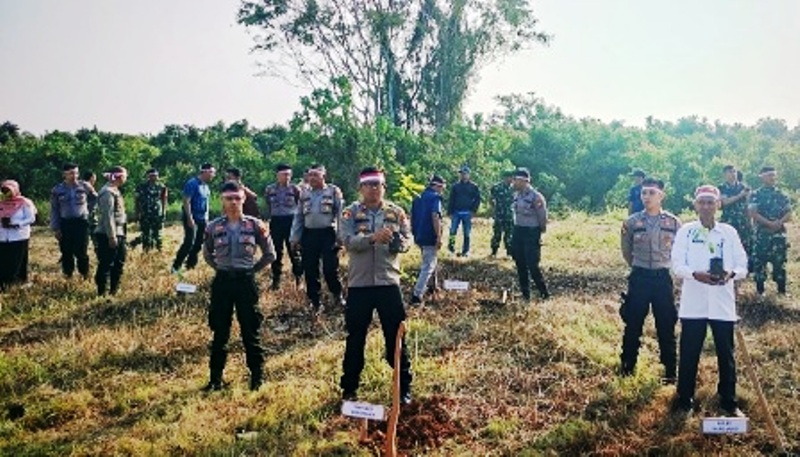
579 164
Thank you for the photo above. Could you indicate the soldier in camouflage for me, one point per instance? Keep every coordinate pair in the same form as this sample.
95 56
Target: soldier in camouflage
770 209
735 198
502 198
151 209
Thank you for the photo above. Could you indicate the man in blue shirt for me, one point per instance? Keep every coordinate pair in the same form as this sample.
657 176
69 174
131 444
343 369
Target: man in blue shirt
635 194
426 226
194 216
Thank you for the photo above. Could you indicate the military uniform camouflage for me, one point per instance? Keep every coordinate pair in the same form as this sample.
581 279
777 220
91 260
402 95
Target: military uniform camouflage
768 246
149 196
736 214
502 199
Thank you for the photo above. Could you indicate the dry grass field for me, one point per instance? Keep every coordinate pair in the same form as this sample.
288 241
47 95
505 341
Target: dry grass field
82 375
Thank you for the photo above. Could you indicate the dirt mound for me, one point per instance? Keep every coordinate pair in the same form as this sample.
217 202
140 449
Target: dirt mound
424 424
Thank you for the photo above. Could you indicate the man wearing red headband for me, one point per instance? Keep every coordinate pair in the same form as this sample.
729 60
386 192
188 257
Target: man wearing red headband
375 232
111 231
708 256
315 230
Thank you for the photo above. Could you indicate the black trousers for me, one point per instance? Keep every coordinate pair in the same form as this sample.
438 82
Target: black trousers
14 266
526 249
74 245
693 334
235 291
320 244
110 263
280 227
361 302
646 288
192 244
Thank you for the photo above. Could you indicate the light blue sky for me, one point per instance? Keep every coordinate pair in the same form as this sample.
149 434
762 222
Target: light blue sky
134 66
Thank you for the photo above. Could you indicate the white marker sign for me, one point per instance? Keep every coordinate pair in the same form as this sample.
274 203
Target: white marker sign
186 288
363 410
451 284
725 425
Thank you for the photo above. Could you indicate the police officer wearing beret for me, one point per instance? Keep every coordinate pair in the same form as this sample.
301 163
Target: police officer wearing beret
374 232
646 243
315 230
530 222
282 198
230 246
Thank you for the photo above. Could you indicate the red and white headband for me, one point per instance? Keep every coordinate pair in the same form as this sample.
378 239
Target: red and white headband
374 176
706 191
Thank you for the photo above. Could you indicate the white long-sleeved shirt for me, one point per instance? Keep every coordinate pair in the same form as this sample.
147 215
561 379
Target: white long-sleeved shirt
691 252
23 218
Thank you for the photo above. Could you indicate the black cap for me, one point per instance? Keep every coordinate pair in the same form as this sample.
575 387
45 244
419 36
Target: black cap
151 171
206 166
435 180
766 170
282 167
522 172
638 173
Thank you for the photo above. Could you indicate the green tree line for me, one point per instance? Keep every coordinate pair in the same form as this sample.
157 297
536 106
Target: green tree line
577 163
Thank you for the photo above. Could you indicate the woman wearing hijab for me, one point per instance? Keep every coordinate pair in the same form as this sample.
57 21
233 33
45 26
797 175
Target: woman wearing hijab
17 213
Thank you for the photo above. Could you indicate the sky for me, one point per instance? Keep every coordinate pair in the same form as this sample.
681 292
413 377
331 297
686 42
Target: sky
135 66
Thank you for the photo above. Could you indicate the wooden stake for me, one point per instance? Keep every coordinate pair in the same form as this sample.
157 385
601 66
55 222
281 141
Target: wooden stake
762 400
363 437
390 448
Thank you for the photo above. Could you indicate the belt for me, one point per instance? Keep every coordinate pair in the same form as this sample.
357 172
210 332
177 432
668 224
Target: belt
654 272
235 274
528 228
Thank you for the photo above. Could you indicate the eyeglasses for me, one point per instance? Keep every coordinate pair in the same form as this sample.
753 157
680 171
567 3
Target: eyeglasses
650 191
232 198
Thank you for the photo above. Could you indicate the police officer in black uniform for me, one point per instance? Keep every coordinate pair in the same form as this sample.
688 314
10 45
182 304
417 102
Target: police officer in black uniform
230 246
646 242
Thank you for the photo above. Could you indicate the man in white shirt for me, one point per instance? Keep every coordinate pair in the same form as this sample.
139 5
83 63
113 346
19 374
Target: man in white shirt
708 256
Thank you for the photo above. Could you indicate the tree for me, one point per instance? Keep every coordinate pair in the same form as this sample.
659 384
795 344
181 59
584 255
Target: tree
410 61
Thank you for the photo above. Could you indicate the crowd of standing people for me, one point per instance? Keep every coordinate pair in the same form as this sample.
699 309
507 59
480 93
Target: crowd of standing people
308 223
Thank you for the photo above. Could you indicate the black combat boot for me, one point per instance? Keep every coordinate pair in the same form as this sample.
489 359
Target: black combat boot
215 382
256 379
